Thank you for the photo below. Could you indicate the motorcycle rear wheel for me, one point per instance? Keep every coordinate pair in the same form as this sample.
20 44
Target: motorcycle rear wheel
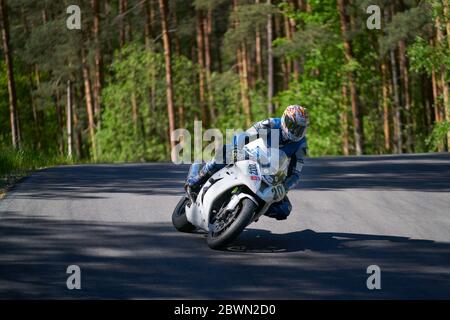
179 219
243 218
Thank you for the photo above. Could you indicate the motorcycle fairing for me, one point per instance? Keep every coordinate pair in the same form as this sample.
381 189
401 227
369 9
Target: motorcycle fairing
241 173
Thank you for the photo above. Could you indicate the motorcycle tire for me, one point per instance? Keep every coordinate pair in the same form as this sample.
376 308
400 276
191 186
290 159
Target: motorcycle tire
179 219
244 218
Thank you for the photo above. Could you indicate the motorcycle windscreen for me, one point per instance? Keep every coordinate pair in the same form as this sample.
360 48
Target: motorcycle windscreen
272 160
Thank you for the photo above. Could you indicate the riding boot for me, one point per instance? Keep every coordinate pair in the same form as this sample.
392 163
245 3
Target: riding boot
195 181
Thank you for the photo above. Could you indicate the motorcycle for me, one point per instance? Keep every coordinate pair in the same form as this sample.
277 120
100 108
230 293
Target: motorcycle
235 196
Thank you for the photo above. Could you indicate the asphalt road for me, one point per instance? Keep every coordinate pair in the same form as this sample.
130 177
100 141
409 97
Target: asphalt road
113 221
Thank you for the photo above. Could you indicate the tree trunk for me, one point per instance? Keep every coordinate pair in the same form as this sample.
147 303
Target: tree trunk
59 121
283 61
77 125
287 31
122 31
138 125
35 112
149 20
348 51
201 64
207 26
434 82
446 93
300 62
258 53
89 104
69 120
397 118
447 26
270 91
406 94
393 89
386 128
446 100
180 115
251 70
149 34
174 17
241 65
134 114
245 86
147 25
98 62
344 121
444 83
15 130
39 113
128 25
241 57
447 21
168 65
152 101
293 29
427 102
44 16
444 114
36 133
308 7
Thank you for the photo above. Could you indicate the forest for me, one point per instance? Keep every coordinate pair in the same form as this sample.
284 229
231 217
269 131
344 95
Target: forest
114 89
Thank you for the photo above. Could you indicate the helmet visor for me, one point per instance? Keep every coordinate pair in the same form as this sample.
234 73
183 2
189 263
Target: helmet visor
295 130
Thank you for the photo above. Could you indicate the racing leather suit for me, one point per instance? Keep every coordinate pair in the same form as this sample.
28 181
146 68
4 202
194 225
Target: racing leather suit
295 150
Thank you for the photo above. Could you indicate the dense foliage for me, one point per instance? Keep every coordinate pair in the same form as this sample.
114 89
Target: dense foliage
394 81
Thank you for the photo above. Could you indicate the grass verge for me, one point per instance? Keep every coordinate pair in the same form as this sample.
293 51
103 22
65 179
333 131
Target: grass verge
16 164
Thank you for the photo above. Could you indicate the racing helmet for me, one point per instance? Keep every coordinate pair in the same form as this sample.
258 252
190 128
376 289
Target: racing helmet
294 123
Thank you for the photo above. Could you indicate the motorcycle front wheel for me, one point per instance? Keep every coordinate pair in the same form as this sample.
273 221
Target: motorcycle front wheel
179 219
228 226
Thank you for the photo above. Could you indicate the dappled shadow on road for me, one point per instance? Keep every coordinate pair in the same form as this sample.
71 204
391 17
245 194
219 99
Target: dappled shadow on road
155 261
428 172
417 172
101 181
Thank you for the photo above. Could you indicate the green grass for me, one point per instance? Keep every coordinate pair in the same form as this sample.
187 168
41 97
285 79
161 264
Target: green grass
15 164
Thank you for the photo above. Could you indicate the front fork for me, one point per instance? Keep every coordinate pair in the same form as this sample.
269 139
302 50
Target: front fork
237 198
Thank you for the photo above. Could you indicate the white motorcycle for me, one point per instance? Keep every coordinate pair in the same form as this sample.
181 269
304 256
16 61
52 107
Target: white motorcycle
235 196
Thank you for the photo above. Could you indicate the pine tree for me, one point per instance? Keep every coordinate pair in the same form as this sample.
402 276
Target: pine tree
4 26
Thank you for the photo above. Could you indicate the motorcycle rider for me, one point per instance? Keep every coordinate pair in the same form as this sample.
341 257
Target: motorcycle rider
292 141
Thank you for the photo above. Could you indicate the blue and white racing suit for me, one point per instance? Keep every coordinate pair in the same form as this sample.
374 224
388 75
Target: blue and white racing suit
296 151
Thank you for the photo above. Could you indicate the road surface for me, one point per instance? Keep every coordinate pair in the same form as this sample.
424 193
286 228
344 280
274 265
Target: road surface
113 221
